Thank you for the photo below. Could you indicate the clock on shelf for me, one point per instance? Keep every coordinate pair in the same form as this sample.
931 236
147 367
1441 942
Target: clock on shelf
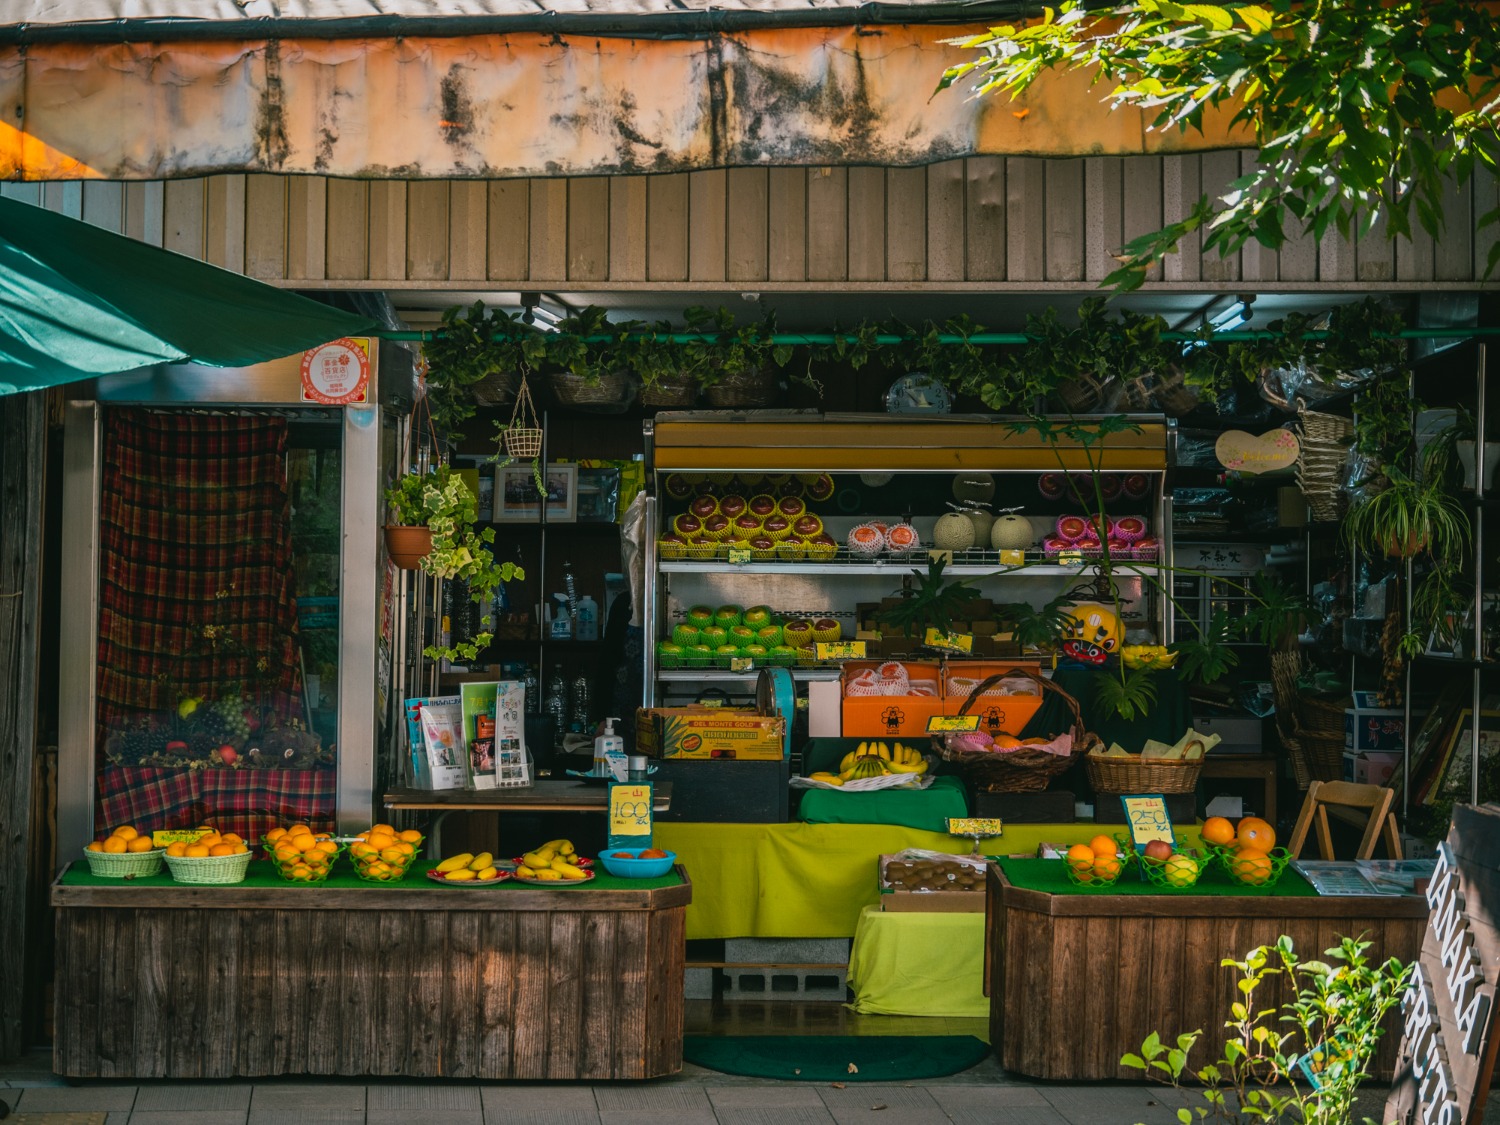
917 392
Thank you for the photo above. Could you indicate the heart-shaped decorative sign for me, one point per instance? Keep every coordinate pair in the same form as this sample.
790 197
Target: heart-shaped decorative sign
1247 453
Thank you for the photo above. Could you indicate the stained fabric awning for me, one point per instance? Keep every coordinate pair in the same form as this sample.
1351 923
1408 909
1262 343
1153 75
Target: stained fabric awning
77 301
136 89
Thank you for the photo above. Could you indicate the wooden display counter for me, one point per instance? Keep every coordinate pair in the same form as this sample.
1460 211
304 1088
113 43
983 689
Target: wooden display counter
1077 980
162 980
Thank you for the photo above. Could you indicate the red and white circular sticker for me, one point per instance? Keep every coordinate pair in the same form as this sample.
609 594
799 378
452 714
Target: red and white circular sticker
336 373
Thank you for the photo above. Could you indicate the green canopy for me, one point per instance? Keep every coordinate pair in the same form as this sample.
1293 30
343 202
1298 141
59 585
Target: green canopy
77 301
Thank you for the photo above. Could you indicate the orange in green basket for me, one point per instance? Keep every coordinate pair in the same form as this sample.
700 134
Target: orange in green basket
1102 845
1251 865
1256 833
1217 831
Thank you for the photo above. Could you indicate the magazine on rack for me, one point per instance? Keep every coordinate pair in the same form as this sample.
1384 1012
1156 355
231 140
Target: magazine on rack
1396 876
479 732
433 727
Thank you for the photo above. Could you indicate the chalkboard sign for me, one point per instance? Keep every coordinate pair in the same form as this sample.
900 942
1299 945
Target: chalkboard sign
1448 1017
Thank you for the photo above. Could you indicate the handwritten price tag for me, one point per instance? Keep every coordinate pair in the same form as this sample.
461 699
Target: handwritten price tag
952 724
949 642
739 556
1146 814
839 650
742 664
1013 558
975 826
629 812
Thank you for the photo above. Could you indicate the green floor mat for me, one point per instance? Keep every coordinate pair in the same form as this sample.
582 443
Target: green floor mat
836 1058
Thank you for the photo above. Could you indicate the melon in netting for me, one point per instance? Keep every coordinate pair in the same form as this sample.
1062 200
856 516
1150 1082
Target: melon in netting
953 532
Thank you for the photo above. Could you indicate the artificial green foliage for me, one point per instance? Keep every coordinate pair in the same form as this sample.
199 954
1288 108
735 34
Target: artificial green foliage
442 502
1362 110
1332 1026
934 602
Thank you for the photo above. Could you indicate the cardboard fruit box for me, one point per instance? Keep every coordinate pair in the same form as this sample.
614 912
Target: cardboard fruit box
955 900
891 716
997 713
706 733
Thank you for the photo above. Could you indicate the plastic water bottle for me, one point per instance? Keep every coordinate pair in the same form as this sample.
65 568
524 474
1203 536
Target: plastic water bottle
580 716
557 698
586 620
533 683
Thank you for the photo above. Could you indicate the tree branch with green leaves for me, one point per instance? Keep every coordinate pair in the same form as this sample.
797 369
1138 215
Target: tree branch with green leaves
1361 110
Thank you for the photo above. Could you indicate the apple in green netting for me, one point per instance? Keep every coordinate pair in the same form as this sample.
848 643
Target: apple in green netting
1181 870
1157 852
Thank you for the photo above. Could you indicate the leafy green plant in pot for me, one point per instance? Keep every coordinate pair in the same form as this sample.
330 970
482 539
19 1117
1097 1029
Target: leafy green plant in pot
474 347
442 505
1408 517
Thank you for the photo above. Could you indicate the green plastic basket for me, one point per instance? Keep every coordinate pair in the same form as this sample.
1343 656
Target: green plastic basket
415 858
1088 881
1158 874
124 865
1254 876
213 869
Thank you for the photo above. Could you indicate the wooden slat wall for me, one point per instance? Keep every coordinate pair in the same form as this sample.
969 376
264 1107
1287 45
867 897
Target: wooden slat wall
585 994
1012 221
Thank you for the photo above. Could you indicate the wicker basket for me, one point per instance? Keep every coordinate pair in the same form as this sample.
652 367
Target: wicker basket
124 865
1322 715
496 389
1324 440
1324 753
1017 771
217 869
756 387
1084 394
611 393
1143 775
1168 392
672 391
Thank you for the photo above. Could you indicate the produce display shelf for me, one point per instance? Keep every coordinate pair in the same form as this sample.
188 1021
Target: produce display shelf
725 675
964 563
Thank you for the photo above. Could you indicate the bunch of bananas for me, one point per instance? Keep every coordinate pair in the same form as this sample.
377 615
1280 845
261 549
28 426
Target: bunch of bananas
469 868
553 861
875 759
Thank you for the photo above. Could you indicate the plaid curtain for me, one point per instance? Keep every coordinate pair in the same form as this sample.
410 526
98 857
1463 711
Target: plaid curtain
196 587
248 803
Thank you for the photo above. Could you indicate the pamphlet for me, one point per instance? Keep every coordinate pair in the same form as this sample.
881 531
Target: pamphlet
1396 876
512 767
479 732
441 763
1334 877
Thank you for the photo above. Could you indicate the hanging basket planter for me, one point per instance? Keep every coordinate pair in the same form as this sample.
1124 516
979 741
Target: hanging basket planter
758 386
407 546
611 393
678 391
523 436
497 388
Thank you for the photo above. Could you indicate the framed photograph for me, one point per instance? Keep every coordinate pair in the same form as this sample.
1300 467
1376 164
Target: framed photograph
1459 754
516 498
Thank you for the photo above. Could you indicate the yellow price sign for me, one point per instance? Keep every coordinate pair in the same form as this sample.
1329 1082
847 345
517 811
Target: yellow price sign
1069 558
975 826
742 663
839 650
629 810
739 556
952 724
1147 816
950 642
177 836
1011 557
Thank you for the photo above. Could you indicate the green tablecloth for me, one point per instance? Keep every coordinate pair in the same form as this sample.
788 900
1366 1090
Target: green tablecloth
263 874
916 964
926 809
1050 875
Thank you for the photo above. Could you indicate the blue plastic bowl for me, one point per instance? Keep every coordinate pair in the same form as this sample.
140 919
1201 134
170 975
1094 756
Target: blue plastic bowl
636 868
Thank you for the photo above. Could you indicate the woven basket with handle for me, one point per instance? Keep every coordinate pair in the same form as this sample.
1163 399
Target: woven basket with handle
523 437
1024 770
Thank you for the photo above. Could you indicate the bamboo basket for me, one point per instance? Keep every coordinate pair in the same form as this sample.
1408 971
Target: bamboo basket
124 865
496 389
1324 440
1324 752
757 387
611 393
1320 715
1143 775
1017 771
675 392
1084 394
1169 393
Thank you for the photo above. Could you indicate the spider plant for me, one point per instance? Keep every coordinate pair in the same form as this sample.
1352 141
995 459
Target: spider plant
1408 517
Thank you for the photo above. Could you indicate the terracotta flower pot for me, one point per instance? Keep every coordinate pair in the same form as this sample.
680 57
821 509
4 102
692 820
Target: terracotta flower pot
407 546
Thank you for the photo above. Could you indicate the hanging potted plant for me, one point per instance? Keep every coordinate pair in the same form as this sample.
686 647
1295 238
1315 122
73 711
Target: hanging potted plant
477 358
1408 517
441 505
732 363
659 365
587 368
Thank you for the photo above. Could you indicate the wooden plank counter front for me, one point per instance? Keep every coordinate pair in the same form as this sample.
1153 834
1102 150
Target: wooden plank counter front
499 983
1075 981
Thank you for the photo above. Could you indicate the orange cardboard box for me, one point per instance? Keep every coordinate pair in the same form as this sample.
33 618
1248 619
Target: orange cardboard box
891 716
997 713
